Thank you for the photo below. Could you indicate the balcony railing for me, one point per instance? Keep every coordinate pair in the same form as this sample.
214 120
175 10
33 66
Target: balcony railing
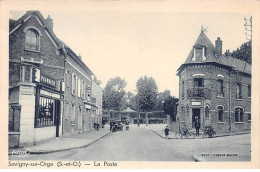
199 92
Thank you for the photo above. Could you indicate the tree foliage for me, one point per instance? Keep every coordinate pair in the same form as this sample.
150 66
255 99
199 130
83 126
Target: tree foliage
170 107
161 99
147 93
244 52
113 96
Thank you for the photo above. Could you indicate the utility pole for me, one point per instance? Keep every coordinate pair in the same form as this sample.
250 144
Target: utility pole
248 27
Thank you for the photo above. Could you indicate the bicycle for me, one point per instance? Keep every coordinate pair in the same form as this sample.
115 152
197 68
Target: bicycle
187 135
208 132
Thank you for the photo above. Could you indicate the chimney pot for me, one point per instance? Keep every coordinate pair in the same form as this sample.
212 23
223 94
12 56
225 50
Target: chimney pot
49 22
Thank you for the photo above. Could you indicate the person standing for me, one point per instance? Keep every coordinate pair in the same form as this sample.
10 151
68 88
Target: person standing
166 132
197 127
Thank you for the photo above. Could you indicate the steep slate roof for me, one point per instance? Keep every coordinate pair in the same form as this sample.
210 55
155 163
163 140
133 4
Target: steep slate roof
210 52
211 56
13 24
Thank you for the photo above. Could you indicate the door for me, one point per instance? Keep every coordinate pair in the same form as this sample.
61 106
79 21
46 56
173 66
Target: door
57 117
80 122
195 115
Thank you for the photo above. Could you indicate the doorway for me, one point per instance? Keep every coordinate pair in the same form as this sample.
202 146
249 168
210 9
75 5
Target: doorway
195 115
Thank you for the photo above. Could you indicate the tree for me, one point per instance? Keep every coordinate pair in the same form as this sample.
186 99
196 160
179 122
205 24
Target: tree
114 93
244 52
161 98
170 107
147 93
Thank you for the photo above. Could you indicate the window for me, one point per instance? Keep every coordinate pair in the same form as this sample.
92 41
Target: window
27 72
239 91
206 112
220 88
183 113
73 114
46 112
220 113
239 112
182 89
74 79
198 82
32 40
249 90
249 117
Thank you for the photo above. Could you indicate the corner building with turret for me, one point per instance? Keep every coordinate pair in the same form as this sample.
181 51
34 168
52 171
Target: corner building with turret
215 88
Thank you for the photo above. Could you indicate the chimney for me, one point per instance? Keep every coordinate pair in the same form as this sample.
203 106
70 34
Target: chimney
49 22
228 54
79 56
218 45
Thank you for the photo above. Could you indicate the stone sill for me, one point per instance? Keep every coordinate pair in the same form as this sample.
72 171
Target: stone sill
239 99
220 97
13 133
72 124
239 122
249 120
221 122
26 84
249 97
182 121
32 50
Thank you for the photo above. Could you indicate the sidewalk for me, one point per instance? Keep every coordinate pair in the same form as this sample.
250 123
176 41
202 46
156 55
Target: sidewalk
66 143
159 130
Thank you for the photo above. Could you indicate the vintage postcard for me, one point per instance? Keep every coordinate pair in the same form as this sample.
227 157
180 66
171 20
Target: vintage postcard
129 84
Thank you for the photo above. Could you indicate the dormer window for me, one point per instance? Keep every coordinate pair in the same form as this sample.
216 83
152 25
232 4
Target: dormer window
199 53
32 40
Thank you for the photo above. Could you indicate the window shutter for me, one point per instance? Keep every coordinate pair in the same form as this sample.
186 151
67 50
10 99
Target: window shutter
62 86
72 83
78 84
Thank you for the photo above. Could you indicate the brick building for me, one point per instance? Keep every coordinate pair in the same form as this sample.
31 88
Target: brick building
49 85
215 88
36 73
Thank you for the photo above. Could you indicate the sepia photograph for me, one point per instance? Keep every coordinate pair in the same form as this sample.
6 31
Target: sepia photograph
93 88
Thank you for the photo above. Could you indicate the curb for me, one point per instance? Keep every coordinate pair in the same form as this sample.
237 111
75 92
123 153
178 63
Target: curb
196 159
51 151
202 137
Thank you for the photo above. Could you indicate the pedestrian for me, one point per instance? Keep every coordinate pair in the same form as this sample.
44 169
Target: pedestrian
197 127
111 123
166 132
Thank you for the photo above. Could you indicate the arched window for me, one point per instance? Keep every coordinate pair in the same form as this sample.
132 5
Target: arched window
207 112
239 113
183 113
220 113
32 40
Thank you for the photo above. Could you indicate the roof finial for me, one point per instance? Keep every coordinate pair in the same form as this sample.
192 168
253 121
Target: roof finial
203 29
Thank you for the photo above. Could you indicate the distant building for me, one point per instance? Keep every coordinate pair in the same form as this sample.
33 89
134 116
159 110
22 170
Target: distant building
215 88
50 87
97 94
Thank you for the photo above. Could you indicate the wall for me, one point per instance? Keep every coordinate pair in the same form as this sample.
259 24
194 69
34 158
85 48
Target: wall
27 102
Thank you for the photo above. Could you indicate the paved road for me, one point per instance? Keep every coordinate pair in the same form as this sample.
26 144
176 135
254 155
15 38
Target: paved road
136 144
141 144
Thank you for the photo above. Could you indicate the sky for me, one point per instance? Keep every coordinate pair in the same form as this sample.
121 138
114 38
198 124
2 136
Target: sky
134 44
